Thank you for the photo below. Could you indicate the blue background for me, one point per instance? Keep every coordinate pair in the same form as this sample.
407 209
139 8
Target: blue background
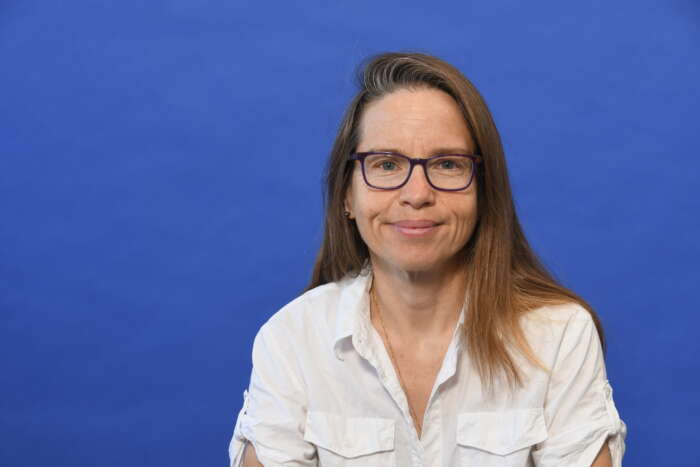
160 191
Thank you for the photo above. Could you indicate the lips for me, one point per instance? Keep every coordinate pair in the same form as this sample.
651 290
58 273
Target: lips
417 224
415 228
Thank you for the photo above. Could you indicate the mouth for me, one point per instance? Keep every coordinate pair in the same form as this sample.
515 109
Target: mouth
417 228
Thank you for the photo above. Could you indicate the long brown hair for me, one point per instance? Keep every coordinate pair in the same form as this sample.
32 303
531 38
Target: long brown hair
506 277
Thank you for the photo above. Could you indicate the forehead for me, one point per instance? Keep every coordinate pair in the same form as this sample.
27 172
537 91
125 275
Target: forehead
412 119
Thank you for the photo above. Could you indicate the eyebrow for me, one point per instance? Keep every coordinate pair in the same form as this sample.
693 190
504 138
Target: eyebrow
455 150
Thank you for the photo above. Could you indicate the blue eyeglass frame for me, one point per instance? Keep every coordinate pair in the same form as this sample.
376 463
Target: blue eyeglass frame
361 156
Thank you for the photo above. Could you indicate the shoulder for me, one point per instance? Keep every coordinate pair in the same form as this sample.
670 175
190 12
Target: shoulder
560 335
312 312
550 323
560 314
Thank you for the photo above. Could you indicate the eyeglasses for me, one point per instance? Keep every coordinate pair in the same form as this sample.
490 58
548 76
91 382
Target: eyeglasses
391 170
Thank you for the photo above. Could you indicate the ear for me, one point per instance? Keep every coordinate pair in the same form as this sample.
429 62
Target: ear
347 204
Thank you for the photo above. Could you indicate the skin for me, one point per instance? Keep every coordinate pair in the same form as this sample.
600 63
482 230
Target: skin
250 459
604 458
418 279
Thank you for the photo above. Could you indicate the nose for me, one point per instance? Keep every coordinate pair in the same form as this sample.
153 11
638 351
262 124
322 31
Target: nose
417 192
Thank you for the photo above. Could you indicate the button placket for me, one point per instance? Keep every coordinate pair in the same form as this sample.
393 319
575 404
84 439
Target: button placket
389 379
447 371
430 443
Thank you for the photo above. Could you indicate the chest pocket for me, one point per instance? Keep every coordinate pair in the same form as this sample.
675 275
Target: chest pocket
351 441
499 439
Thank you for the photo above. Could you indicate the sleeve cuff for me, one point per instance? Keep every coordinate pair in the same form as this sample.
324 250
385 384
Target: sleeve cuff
235 448
580 446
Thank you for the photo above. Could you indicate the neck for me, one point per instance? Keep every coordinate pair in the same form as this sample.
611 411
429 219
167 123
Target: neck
419 305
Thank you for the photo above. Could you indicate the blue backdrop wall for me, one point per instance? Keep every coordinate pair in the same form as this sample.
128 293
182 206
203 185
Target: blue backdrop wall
160 168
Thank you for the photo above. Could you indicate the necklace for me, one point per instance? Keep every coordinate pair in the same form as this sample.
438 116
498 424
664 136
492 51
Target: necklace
375 305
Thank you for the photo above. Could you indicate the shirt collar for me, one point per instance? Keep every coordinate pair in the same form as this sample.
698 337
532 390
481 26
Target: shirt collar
353 310
354 301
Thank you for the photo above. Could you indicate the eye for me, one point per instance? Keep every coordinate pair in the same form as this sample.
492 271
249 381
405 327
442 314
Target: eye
448 164
384 163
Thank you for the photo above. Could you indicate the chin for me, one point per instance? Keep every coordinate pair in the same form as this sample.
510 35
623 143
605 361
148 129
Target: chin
415 264
413 258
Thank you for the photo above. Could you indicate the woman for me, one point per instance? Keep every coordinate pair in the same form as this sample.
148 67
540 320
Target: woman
430 334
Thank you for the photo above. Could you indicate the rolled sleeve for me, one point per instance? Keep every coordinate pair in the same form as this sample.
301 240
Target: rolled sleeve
579 408
235 447
274 409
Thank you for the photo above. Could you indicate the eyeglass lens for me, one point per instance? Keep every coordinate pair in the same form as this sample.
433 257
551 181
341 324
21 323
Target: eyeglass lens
390 170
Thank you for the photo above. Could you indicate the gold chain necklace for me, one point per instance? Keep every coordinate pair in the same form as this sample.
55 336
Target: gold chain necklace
375 305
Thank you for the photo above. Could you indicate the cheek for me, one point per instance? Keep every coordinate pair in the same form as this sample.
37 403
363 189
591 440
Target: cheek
357 192
367 212
466 219
367 205
470 211
370 214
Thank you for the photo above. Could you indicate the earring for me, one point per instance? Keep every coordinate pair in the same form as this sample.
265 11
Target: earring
347 214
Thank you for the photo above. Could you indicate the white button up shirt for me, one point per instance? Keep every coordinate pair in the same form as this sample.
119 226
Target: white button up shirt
323 392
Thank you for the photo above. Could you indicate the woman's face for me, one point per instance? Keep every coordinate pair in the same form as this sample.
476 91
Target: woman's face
416 123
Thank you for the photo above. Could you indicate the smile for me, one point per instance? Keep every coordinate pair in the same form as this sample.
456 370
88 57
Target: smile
415 228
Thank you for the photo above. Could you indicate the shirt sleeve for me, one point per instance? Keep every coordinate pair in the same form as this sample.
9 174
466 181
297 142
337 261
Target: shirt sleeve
579 408
274 409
